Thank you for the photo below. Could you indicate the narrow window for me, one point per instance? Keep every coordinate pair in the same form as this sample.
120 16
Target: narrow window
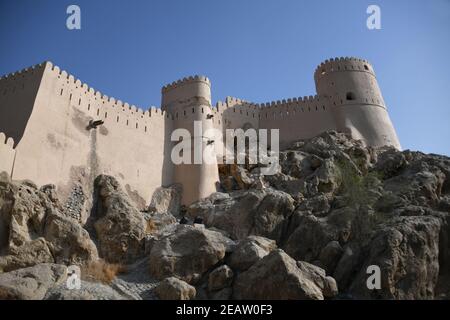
145 129
117 118
137 126
70 98
350 96
89 106
193 110
98 111
79 101
127 122
61 92
106 115
366 67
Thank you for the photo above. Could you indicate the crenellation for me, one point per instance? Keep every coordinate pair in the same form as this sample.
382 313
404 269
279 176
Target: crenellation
56 109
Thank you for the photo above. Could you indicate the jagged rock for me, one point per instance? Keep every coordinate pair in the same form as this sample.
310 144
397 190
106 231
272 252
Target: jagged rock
166 200
220 278
329 256
68 241
241 176
175 289
120 227
187 253
249 251
254 212
31 283
276 277
29 254
87 291
156 222
22 213
318 276
407 252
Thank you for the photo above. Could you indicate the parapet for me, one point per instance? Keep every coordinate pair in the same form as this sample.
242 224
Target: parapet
186 88
342 64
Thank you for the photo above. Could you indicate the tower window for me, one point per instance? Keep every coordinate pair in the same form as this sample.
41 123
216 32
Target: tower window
366 67
350 96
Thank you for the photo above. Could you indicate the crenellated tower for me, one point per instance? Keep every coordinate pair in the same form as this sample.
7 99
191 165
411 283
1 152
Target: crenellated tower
188 101
351 89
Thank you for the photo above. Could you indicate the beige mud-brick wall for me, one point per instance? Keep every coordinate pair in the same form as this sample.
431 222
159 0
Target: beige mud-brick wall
298 118
355 98
188 101
60 149
7 154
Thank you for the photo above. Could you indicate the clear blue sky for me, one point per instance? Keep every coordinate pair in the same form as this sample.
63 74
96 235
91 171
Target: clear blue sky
252 49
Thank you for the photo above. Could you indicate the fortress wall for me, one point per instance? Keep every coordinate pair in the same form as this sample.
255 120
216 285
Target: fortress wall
17 94
61 148
298 118
7 154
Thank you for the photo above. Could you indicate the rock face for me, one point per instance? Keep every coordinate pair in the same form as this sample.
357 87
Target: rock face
333 209
253 212
249 251
187 253
31 283
276 277
167 200
120 226
175 289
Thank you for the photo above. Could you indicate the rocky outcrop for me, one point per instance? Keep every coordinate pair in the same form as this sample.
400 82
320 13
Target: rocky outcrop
333 210
188 253
31 283
166 200
249 251
175 289
277 277
120 227
253 212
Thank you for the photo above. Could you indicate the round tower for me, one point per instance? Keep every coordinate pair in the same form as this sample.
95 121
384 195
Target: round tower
188 102
351 89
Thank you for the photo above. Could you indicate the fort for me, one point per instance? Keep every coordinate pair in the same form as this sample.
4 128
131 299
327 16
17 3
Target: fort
57 130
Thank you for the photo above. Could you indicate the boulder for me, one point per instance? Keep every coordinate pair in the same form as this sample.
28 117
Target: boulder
249 251
166 200
31 283
407 252
29 254
253 212
187 253
120 227
220 278
175 289
276 277
68 241
87 291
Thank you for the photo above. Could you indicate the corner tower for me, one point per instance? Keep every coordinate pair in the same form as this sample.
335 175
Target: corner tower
353 94
188 102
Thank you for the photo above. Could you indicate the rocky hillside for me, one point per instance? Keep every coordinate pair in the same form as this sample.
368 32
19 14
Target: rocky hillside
308 232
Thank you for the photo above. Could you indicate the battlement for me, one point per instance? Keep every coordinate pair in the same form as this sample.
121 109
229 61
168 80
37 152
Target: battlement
24 72
4 140
185 81
342 64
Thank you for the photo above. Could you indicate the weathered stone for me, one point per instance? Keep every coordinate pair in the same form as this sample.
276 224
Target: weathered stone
68 241
220 278
275 277
175 289
167 200
187 253
31 283
121 227
29 254
249 251
87 291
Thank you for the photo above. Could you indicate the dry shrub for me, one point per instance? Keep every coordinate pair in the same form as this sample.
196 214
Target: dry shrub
151 226
102 271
